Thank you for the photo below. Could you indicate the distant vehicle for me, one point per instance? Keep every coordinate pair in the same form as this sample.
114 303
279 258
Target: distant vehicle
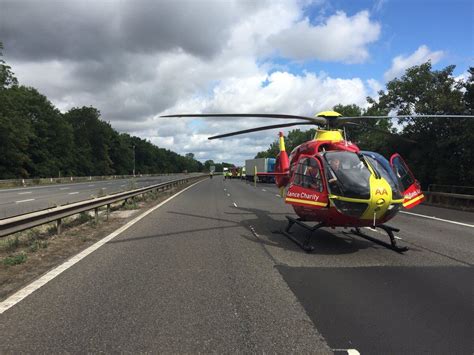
263 165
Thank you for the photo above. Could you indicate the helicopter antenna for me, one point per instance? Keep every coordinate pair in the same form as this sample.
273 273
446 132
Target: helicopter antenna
345 137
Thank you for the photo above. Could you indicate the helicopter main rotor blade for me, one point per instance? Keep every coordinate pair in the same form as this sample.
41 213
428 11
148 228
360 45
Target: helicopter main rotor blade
381 131
316 120
342 119
263 128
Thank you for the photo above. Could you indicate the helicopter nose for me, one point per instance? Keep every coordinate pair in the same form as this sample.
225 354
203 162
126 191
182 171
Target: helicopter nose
380 197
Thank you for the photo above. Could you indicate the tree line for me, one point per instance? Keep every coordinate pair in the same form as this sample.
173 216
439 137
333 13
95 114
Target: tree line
442 152
37 140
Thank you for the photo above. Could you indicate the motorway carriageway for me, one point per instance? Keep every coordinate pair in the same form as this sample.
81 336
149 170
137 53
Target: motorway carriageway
22 200
205 272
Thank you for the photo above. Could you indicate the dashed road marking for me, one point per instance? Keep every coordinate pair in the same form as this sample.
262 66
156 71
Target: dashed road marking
228 195
252 229
347 351
438 219
235 205
21 201
24 193
32 287
379 232
64 188
264 190
277 195
90 185
73 193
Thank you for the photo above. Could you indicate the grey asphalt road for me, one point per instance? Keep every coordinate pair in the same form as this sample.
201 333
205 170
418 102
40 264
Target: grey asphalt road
206 273
16 201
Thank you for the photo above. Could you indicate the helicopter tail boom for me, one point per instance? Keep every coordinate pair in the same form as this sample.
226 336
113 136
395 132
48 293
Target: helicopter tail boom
282 166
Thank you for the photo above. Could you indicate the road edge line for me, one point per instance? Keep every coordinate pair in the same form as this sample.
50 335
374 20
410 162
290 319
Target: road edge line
438 219
43 280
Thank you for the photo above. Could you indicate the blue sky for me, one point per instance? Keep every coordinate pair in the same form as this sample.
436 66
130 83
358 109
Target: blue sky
405 25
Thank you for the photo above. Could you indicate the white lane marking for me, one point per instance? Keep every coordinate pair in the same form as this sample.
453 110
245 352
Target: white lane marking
64 188
235 205
24 193
254 232
73 193
21 201
32 287
225 189
349 351
438 219
228 195
122 185
90 185
264 190
379 232
277 195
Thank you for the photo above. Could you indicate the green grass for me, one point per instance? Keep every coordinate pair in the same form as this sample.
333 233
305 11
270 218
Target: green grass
10 244
130 205
15 259
38 244
84 217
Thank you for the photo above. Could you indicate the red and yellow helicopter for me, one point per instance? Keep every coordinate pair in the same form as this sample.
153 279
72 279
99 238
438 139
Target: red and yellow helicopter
331 181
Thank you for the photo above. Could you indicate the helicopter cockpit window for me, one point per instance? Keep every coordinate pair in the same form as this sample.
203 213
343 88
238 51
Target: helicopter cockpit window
402 172
308 175
347 175
382 166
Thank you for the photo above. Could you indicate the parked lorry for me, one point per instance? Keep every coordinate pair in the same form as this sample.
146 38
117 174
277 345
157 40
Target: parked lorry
263 165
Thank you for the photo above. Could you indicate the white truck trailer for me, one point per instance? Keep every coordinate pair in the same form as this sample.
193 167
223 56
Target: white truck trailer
263 165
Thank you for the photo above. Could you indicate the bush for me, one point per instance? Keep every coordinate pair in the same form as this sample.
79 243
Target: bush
15 260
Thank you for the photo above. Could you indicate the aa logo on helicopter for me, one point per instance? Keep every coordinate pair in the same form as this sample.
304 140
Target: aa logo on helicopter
381 191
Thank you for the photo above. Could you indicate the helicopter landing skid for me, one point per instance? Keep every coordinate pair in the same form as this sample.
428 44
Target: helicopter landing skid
393 243
303 245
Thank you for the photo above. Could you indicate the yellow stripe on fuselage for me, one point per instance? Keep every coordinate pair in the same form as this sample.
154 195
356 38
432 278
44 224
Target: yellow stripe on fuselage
413 200
306 202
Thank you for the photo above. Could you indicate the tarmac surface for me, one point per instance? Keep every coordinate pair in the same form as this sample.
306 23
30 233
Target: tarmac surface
206 272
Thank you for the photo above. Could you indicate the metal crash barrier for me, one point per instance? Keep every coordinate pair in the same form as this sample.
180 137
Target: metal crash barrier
29 220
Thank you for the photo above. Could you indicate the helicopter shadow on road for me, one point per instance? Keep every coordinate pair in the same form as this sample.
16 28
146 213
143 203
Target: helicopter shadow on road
325 241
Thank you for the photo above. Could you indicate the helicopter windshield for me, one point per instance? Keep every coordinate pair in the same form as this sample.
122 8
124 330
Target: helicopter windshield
347 175
382 166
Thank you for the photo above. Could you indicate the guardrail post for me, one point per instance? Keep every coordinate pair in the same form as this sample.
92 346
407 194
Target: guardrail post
108 211
96 213
58 226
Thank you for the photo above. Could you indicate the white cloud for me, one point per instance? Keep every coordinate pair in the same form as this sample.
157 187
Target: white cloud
134 82
401 63
340 38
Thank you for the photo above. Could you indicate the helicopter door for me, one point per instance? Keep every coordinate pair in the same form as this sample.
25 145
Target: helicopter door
411 187
307 187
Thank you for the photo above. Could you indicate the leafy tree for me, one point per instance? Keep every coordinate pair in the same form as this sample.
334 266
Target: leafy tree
7 78
469 93
92 138
443 154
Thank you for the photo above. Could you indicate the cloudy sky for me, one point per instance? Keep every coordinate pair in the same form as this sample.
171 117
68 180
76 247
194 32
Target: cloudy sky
135 60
